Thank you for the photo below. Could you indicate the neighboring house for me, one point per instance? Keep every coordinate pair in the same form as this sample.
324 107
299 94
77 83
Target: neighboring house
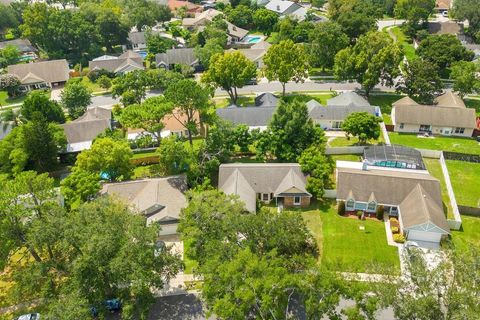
201 19
412 195
159 200
283 183
38 75
190 7
449 27
81 132
255 117
448 117
393 156
137 40
28 51
127 62
256 53
443 5
331 117
287 8
184 56
234 33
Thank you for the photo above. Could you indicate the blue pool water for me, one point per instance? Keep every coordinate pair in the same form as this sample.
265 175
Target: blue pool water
143 53
253 39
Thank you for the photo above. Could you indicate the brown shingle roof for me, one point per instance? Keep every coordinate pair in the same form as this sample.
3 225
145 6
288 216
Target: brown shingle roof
128 58
450 99
86 128
436 116
48 71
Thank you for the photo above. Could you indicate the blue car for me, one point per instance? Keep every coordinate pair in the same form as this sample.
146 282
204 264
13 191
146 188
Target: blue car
112 305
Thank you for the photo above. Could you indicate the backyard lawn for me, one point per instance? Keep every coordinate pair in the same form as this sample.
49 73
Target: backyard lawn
405 43
453 144
5 100
353 141
344 247
433 166
465 177
469 233
473 102
189 263
241 101
384 101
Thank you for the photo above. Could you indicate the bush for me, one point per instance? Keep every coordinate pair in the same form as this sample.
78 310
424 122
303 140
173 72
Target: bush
94 75
341 208
393 220
394 230
359 214
399 238
380 212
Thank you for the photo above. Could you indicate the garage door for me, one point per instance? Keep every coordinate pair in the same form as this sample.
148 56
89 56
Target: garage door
168 229
415 235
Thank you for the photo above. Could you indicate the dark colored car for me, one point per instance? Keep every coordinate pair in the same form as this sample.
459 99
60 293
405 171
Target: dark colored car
112 305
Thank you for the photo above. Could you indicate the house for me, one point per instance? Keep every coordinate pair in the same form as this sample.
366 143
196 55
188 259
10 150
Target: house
393 156
448 117
449 27
255 117
137 40
172 57
28 51
287 8
234 33
200 19
283 183
81 132
190 7
338 109
412 195
159 200
126 62
256 53
38 75
443 5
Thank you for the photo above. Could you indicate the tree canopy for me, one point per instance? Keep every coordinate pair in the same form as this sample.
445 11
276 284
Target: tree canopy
362 125
38 102
465 77
468 10
76 97
443 50
324 42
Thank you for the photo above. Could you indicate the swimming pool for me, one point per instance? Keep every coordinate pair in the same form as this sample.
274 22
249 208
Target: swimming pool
143 54
253 39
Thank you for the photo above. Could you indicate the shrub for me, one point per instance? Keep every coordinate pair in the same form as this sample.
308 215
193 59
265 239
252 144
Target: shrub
380 212
394 230
359 214
341 208
399 238
393 220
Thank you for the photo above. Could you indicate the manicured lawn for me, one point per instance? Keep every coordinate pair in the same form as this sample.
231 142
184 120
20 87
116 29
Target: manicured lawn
91 85
144 154
345 157
384 101
321 96
242 101
405 43
141 172
465 177
5 100
189 263
353 141
469 234
433 166
473 102
453 144
344 247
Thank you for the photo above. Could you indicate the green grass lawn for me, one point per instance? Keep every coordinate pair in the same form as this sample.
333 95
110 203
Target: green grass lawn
453 144
344 247
144 154
321 96
469 234
384 101
465 177
242 101
273 38
91 85
189 263
405 43
473 102
353 141
433 166
5 100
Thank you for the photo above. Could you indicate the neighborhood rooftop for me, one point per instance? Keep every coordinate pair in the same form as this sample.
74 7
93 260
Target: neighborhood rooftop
45 71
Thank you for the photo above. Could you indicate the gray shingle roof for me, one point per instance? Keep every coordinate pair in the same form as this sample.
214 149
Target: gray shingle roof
48 71
166 193
267 99
248 179
184 56
87 127
128 58
250 116
23 45
435 116
348 99
334 112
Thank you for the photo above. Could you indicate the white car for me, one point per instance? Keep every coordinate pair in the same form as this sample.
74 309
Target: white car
30 316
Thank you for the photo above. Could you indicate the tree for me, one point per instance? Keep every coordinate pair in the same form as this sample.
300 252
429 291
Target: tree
465 75
75 98
189 101
38 102
292 131
229 71
265 20
148 115
79 187
357 17
131 87
468 10
145 13
9 55
160 79
241 16
420 81
108 158
415 12
443 50
10 83
362 125
372 60
9 19
325 42
104 82
286 61
318 167
206 52
174 158
158 44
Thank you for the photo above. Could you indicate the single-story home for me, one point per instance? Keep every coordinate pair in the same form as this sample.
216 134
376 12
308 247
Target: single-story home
234 33
38 75
449 27
81 132
338 109
184 56
126 62
256 52
255 117
443 5
283 183
137 40
25 47
449 116
159 200
287 8
201 19
412 195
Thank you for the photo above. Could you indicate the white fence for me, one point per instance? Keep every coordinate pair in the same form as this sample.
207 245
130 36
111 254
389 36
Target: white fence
457 223
426 153
385 133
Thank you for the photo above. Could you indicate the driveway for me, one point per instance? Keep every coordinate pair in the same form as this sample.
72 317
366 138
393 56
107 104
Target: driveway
55 94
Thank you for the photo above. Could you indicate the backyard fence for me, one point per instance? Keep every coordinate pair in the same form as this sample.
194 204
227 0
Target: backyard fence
469 211
426 153
457 223
345 150
385 133
475 158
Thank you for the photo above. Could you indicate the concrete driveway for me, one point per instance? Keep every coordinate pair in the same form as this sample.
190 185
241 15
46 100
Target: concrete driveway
55 94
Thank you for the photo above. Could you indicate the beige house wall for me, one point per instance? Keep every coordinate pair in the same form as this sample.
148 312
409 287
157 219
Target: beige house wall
288 202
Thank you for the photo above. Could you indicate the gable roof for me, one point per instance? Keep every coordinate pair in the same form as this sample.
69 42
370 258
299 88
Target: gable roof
256 52
267 99
282 6
248 179
184 56
250 116
234 31
23 45
419 208
164 196
200 18
436 116
48 71
312 104
443 4
127 61
87 127
405 101
450 99
349 98
139 37
318 112
449 27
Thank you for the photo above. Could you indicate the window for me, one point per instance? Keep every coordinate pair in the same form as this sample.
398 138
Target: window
394 210
402 125
459 130
265 197
296 200
424 128
371 206
350 204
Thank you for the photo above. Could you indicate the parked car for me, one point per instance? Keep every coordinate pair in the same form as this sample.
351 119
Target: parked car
30 316
112 305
